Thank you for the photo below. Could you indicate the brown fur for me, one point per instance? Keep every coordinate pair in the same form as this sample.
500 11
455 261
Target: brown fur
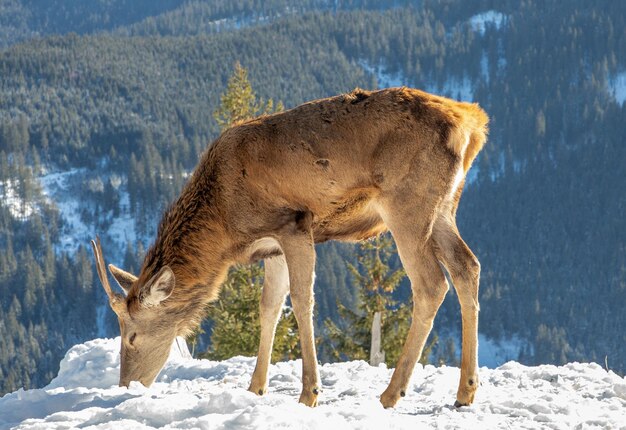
347 167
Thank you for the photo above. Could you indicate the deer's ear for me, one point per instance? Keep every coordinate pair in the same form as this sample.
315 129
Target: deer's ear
159 288
124 279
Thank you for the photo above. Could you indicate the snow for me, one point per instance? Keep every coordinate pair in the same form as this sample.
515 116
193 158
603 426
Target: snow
384 78
122 228
57 189
460 89
212 395
457 88
66 191
481 21
18 208
493 353
617 86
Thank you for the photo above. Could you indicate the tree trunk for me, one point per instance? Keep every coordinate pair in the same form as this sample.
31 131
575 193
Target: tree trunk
377 356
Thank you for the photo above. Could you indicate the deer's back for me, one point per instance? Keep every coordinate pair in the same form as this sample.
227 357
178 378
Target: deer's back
333 156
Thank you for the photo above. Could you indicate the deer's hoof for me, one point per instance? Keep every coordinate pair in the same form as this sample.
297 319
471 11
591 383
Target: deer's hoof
257 389
458 404
464 398
309 397
466 401
390 398
467 390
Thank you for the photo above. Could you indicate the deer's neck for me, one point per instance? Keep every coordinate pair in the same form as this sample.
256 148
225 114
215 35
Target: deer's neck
192 241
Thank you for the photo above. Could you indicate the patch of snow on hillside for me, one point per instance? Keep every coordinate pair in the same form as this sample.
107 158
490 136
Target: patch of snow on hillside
57 188
617 86
479 22
18 208
209 394
122 228
493 353
64 190
460 89
383 77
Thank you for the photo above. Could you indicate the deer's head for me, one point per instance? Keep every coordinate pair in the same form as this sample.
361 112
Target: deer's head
147 334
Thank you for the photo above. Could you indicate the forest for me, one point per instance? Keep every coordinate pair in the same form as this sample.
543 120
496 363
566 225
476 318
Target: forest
120 96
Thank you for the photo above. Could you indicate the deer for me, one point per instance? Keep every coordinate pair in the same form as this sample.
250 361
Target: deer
347 168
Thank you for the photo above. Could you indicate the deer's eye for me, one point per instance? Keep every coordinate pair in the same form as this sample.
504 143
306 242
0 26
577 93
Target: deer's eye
132 338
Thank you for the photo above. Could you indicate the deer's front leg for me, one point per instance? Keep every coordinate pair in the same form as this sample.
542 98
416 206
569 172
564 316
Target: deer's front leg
299 253
275 288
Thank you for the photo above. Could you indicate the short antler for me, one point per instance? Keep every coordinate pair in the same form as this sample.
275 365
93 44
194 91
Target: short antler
115 300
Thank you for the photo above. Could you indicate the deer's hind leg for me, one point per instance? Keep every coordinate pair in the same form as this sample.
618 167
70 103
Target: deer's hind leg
411 232
275 288
464 269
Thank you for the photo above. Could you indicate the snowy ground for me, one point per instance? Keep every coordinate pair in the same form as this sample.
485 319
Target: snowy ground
212 395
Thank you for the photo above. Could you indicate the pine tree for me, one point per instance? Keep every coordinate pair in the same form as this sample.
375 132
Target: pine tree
236 329
239 102
235 316
375 282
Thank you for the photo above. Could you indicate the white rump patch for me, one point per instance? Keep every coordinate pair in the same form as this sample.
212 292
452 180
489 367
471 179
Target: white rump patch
457 179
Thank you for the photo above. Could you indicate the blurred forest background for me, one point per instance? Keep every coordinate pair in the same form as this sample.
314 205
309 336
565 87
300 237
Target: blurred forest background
105 106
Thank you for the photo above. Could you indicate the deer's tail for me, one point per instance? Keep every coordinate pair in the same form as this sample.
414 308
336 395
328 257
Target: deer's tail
470 133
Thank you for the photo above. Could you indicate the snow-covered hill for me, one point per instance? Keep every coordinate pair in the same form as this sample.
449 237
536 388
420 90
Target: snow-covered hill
212 395
66 191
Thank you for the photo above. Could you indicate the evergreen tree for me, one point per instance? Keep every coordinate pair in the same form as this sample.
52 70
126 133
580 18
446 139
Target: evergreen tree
375 281
236 325
239 102
235 317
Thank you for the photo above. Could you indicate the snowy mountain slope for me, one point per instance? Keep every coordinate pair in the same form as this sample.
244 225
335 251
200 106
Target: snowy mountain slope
18 208
66 190
61 188
207 394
